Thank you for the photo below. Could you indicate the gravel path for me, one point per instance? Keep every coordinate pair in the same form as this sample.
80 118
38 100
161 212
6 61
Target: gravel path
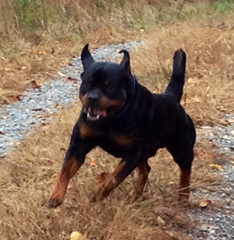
39 105
217 223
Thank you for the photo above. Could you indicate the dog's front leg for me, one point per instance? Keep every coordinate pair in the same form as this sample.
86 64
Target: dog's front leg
75 157
109 181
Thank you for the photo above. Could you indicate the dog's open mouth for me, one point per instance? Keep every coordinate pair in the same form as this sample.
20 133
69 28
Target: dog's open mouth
94 114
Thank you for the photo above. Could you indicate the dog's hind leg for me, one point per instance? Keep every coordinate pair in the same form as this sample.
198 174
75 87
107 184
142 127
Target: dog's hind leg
184 187
141 178
181 148
109 181
184 160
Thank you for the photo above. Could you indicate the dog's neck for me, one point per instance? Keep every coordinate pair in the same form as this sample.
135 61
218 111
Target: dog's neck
130 100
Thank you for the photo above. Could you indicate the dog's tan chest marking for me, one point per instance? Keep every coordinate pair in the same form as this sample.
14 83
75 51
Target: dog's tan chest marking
123 141
86 131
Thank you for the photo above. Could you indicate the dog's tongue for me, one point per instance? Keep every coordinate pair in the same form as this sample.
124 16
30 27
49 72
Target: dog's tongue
99 112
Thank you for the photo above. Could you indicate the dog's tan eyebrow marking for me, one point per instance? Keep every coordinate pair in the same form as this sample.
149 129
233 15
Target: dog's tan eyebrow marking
90 79
107 83
85 131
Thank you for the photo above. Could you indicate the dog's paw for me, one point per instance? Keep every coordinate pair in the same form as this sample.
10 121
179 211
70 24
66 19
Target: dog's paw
54 202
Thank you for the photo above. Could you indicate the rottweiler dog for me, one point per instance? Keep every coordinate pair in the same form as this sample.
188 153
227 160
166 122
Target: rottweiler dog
128 121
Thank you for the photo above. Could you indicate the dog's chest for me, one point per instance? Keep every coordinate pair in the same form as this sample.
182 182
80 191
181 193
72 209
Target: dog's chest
120 145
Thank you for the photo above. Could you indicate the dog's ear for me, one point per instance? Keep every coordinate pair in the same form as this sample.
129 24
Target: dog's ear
86 57
125 63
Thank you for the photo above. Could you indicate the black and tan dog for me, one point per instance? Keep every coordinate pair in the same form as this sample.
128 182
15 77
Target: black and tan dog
128 121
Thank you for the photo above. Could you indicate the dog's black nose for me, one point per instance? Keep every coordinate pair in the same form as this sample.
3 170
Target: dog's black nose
93 97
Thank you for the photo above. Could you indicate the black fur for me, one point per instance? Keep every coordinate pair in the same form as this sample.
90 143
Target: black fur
128 121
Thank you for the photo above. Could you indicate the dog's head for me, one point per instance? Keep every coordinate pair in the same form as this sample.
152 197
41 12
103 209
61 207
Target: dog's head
106 86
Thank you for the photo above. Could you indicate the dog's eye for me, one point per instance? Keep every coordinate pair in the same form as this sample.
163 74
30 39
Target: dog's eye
107 84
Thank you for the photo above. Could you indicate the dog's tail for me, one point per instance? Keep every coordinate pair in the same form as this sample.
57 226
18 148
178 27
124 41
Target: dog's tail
176 84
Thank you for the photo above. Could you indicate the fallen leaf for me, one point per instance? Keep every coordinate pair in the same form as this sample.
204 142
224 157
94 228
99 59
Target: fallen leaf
196 99
55 175
193 80
205 203
61 74
230 120
219 167
35 85
58 106
17 98
42 52
93 163
45 126
46 115
70 79
160 220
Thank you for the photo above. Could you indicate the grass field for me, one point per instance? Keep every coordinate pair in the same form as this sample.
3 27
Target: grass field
37 39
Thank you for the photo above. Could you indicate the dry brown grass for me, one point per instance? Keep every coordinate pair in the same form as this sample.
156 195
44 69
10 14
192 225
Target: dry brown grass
39 63
27 174
210 60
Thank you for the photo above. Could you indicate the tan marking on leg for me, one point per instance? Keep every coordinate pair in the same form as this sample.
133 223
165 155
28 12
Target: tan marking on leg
57 195
108 181
140 181
184 184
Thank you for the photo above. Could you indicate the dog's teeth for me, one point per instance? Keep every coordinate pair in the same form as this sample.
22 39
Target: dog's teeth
93 118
